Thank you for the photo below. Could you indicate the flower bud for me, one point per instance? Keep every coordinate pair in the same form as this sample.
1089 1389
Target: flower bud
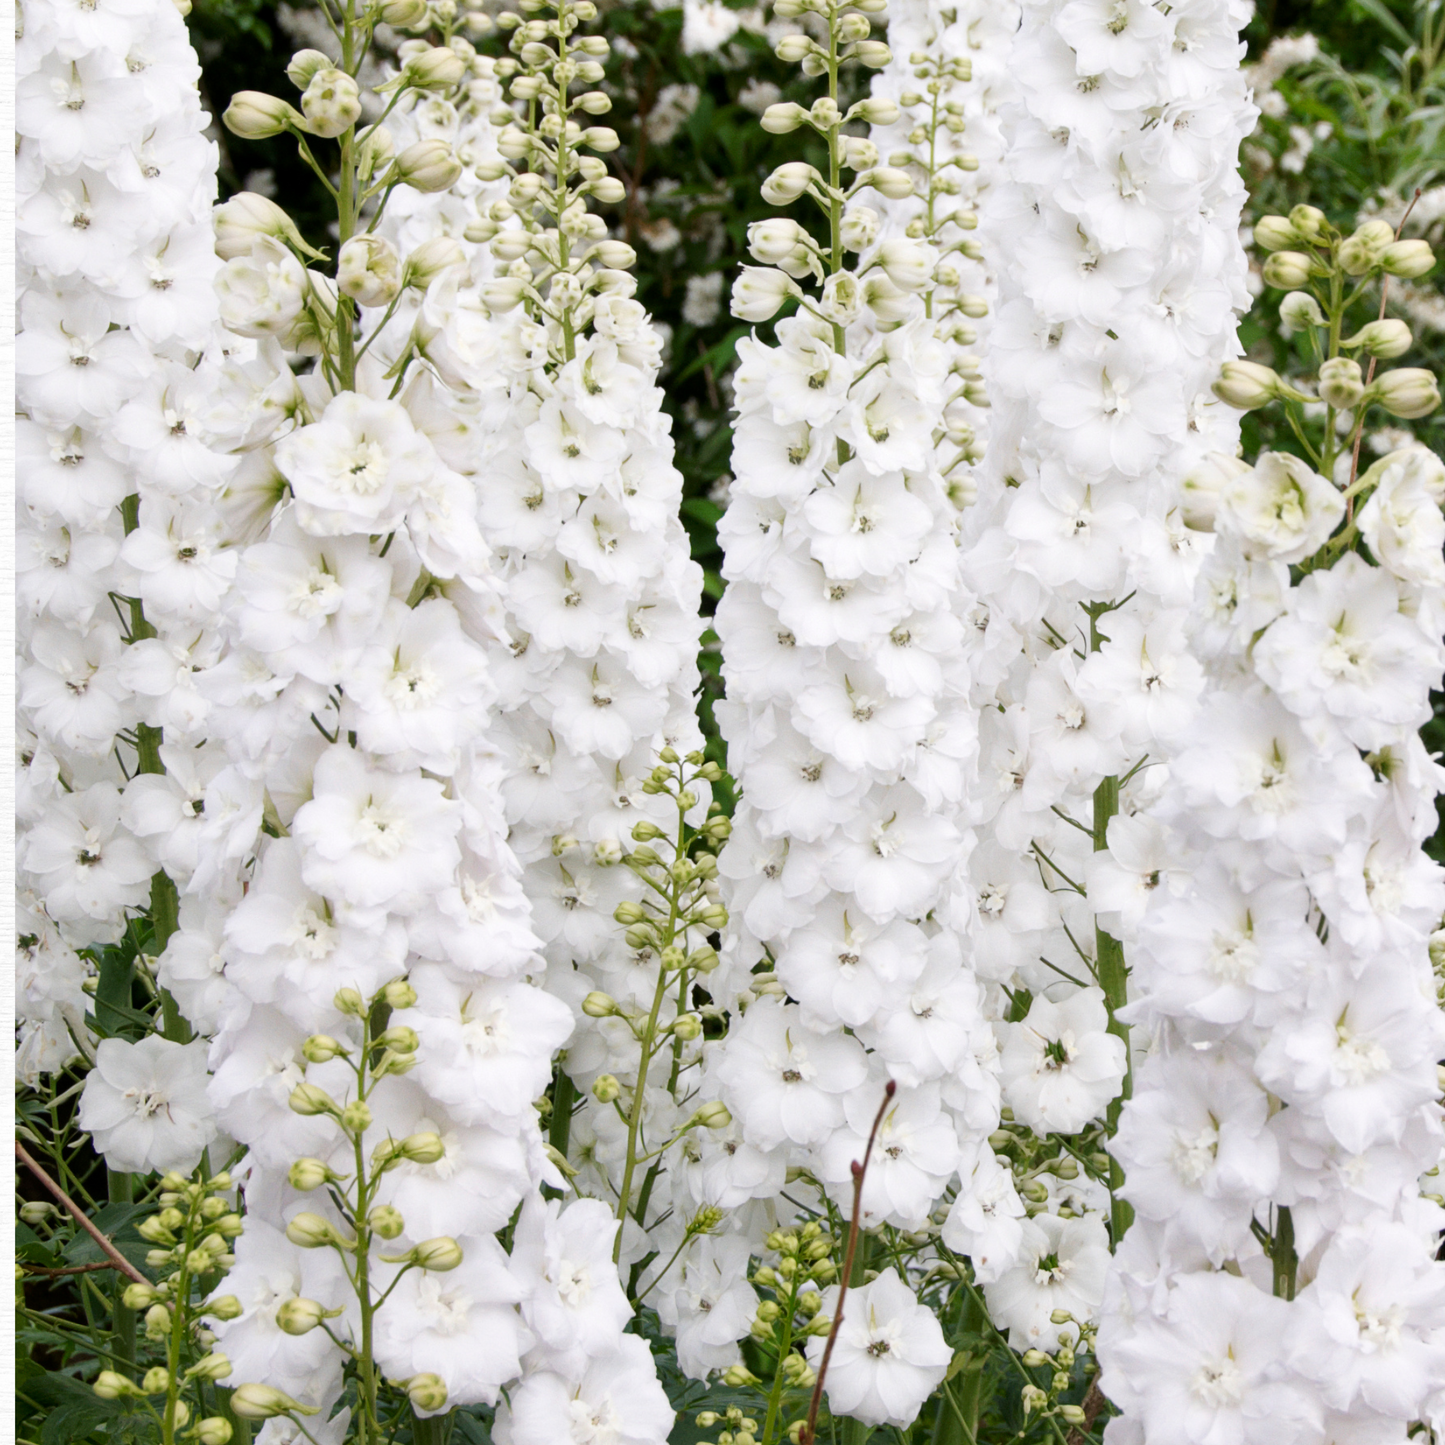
715 916
1341 383
1287 270
600 138
1033 1359
598 1005
253 115
310 1231
783 118
1407 259
321 1048
1384 339
774 240
386 1221
356 1117
398 994
403 14
436 68
309 1174
627 912
155 1381
905 263
138 1296
427 165
214 1366
856 152
1246 385
606 1089
369 271
223 1307
349 1002
792 48
427 1393
713 1115
503 294
1275 233
876 110
262 1402
1309 221
299 1316
310 1099
789 182
423 1148
1299 311
889 181
112 1386
332 103
158 1320
1073 1415
615 255
758 293
214 1430
304 64
872 53
687 1027
1362 251
438 1255
1408 392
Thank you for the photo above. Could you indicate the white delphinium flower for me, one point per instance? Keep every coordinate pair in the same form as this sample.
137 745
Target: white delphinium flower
1060 1267
145 1104
889 1354
1059 1065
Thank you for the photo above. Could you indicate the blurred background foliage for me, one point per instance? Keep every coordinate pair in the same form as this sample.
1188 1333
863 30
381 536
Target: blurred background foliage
1352 94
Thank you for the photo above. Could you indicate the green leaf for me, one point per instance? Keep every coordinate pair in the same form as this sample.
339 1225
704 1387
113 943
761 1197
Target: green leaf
1377 11
74 1410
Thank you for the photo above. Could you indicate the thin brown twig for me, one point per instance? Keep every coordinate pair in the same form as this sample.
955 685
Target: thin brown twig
50 1273
809 1431
1370 373
115 1256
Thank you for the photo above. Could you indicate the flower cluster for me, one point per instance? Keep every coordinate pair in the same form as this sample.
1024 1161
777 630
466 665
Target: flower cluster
120 562
1119 282
849 719
1281 1270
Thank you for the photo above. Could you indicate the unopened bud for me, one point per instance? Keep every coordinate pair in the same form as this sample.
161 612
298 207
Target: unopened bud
1309 221
399 1038
1408 391
872 53
1275 233
1342 384
1246 385
437 1255
1363 250
310 1231
321 1049
1035 1358
155 1381
299 1316
600 138
1383 339
214 1366
138 1296
1299 311
332 103
349 1002
788 182
889 181
398 994
369 271
305 64
224 1307
428 165
423 1148
158 1320
437 68
628 913
385 1220
792 48
687 1027
783 118
598 1005
112 1386
404 14
427 1393
1407 259
1287 270
263 1402
605 1088
713 1115
253 115
214 1430
310 1099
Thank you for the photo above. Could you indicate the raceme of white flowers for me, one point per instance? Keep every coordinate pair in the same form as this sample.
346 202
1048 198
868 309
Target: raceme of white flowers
1081 794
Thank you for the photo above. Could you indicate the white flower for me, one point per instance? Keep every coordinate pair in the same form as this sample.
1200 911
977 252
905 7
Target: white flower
376 840
1280 509
1402 522
1059 1065
460 1324
145 1104
889 1354
358 468
986 1221
709 1303
617 1402
1061 1264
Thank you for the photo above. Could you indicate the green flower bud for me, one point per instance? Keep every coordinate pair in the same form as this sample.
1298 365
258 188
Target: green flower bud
889 181
305 64
1384 339
437 1255
1408 391
386 1221
214 1366
214 1430
1275 233
605 1088
332 103
1342 384
262 1402
321 1049
1246 385
111 1386
436 68
687 1027
1407 259
310 1099
223 1307
598 1005
349 1002
1287 270
783 118
153 1231
427 1393
423 1148
1299 311
369 271
427 166
308 1174
158 1319
299 1316
356 1117
138 1296
1035 1358
400 1039
600 138
1309 221
398 994
874 54
628 913
404 14
155 1381
253 115
310 1231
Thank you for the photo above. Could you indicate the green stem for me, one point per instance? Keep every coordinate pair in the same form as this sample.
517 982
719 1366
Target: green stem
1282 1254
772 1422
120 1187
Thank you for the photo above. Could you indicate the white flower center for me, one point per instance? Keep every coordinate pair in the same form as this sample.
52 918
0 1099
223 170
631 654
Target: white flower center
413 685
1358 1059
364 468
146 1102
1218 1384
1193 1158
444 1308
1379 1329
574 1284
590 1424
1233 957
318 594
381 833
310 934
